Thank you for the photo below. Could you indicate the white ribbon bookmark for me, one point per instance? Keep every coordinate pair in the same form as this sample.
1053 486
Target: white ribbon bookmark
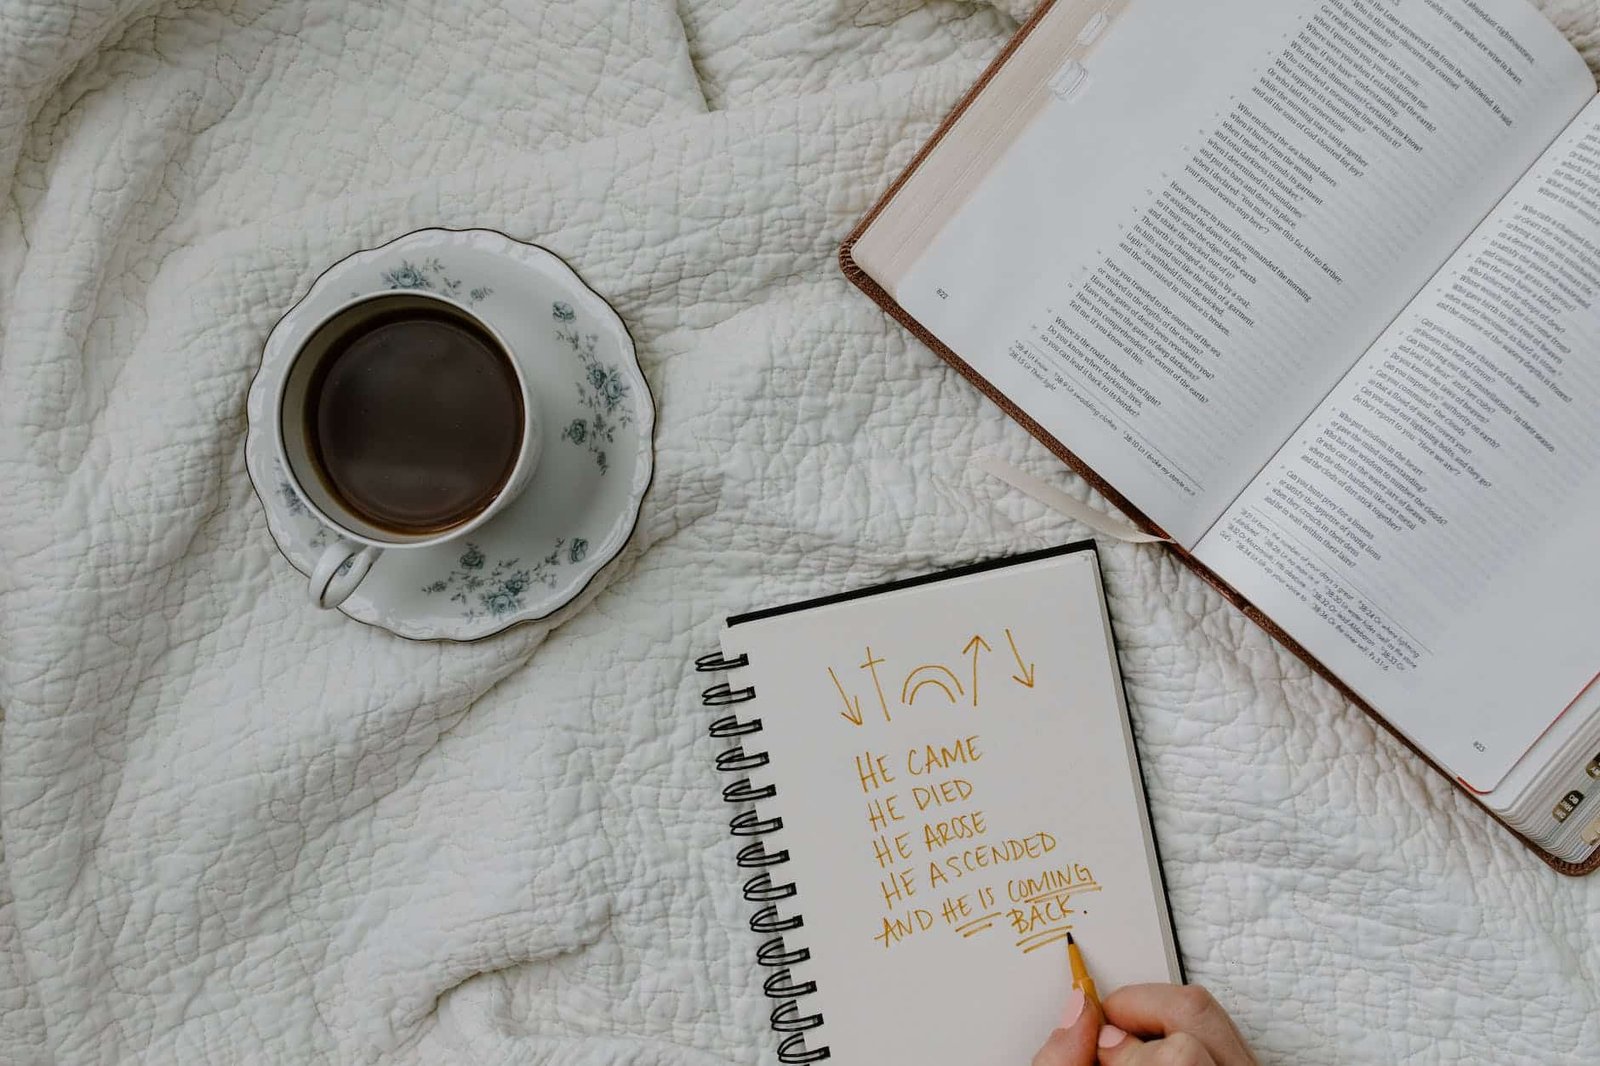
1057 500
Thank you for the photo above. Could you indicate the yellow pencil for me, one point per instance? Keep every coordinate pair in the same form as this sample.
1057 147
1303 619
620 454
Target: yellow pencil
1080 973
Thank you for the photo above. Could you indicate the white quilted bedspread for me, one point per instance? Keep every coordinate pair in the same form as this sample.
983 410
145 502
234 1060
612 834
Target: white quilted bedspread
239 830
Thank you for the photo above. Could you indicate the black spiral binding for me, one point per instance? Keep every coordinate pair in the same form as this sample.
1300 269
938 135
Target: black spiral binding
774 954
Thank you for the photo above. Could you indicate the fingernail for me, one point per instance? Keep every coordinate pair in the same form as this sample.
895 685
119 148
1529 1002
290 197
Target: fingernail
1111 1036
1073 1010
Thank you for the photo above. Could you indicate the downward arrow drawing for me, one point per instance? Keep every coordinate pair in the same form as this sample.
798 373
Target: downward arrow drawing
973 646
852 708
1026 680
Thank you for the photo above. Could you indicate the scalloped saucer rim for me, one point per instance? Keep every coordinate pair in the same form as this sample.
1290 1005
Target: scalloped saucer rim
584 343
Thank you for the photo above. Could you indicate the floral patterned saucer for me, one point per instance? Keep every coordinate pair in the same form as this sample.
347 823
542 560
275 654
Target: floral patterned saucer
596 462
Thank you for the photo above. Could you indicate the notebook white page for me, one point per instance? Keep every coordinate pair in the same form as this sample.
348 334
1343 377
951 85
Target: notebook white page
1031 792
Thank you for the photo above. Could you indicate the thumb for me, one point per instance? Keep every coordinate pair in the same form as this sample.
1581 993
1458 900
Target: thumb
1117 1048
1074 1043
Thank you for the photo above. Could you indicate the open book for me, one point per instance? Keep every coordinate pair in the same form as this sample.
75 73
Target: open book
1308 286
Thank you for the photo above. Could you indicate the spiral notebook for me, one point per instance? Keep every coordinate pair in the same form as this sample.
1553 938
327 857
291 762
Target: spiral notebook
934 782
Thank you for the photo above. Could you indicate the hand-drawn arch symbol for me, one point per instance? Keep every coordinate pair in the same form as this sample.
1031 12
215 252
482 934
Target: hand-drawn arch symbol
931 674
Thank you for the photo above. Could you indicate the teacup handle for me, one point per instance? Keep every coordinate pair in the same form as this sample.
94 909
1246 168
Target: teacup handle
329 587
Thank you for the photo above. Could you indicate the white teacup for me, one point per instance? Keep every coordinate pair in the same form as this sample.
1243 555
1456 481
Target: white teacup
361 538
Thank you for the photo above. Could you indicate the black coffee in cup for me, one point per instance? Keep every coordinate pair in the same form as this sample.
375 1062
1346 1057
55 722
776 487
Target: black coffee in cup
414 420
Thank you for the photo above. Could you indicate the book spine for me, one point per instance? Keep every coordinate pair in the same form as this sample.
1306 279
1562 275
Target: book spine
753 824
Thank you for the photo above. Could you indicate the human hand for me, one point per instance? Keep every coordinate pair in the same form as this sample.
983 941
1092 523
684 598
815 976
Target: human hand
1147 1025
1073 1044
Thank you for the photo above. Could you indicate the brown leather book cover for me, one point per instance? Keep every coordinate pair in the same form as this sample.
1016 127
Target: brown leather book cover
882 298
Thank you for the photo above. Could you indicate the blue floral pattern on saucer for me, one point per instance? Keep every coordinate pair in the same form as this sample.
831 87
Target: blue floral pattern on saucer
603 391
432 275
494 590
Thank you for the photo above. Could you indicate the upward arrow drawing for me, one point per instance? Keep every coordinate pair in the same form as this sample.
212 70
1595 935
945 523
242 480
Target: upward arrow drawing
974 645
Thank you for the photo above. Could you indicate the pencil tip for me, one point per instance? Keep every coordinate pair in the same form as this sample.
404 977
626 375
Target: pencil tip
1070 941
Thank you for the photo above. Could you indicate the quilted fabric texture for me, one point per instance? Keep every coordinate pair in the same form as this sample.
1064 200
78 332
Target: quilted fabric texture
239 830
